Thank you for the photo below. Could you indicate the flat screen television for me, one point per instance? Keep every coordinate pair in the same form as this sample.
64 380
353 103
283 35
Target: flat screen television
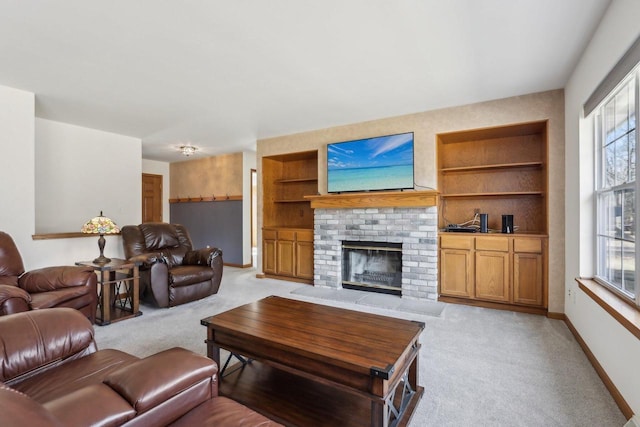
380 163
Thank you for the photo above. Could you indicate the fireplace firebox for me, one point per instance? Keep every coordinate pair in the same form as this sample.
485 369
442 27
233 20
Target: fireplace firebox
372 266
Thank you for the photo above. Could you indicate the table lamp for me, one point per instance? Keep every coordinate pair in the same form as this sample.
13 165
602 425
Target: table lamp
100 225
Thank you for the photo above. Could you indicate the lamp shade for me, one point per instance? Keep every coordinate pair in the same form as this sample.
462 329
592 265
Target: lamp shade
100 225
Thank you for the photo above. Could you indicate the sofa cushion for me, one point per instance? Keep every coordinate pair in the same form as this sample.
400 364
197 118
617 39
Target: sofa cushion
221 411
36 340
94 405
175 370
159 236
64 379
9 280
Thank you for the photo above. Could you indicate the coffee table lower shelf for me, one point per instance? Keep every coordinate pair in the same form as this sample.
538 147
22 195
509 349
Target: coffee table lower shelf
293 400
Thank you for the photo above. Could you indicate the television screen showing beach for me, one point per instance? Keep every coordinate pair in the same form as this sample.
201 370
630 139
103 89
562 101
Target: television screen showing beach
380 163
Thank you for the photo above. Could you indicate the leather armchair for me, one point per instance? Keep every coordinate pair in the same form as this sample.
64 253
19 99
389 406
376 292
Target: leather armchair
63 286
172 272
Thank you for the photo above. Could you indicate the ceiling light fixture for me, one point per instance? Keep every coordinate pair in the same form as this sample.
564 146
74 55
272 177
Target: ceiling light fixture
188 149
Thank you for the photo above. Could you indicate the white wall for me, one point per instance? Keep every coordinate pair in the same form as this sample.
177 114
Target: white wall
248 163
616 349
18 188
16 164
160 168
80 172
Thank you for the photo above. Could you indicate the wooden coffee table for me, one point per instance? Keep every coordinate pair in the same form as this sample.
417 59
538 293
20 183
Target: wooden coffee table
315 365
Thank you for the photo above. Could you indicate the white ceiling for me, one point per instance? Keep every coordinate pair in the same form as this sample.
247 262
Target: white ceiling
221 74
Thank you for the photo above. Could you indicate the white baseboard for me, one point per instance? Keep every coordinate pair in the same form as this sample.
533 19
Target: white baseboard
633 422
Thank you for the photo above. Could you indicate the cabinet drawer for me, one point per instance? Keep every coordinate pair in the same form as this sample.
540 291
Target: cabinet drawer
492 244
286 235
304 236
269 234
456 242
527 245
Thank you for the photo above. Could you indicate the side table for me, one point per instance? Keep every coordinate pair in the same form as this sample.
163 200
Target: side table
118 286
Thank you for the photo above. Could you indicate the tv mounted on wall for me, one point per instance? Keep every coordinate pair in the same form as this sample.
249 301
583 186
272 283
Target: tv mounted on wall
380 163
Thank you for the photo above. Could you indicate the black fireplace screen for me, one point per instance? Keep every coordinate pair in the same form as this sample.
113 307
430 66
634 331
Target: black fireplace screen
372 266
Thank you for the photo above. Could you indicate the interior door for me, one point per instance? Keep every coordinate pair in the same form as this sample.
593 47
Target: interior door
151 198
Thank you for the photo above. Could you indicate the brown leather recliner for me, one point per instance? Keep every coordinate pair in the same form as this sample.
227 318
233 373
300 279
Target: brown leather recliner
172 272
63 286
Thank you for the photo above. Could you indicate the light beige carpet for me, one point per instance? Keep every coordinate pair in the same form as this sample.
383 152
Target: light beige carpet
372 299
479 367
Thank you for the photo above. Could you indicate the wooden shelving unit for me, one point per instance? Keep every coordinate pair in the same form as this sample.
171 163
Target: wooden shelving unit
287 214
496 171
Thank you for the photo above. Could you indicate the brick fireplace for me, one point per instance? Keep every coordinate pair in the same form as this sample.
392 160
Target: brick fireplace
414 227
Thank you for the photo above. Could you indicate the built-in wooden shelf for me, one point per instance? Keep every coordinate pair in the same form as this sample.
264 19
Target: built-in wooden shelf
479 168
496 194
289 181
374 199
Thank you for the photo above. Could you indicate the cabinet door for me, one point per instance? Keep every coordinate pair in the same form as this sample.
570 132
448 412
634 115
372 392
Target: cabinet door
492 276
527 279
285 260
269 256
456 273
304 260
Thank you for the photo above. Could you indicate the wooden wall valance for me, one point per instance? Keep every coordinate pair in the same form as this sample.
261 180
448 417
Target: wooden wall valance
374 199
212 198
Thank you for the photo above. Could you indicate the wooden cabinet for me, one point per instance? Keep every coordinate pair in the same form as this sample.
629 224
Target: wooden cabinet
509 270
287 215
456 266
492 268
528 271
269 251
497 171
304 255
288 253
492 276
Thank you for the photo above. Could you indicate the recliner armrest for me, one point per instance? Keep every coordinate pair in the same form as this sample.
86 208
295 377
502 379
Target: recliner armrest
52 278
205 256
19 410
148 259
13 299
151 381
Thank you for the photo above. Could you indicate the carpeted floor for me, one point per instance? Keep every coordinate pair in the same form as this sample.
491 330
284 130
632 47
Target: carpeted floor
372 299
479 367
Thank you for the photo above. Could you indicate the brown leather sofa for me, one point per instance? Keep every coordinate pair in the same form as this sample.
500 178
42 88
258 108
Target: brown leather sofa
65 286
51 374
172 272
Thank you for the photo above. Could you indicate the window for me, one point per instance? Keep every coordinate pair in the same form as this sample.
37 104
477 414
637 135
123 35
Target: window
616 200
